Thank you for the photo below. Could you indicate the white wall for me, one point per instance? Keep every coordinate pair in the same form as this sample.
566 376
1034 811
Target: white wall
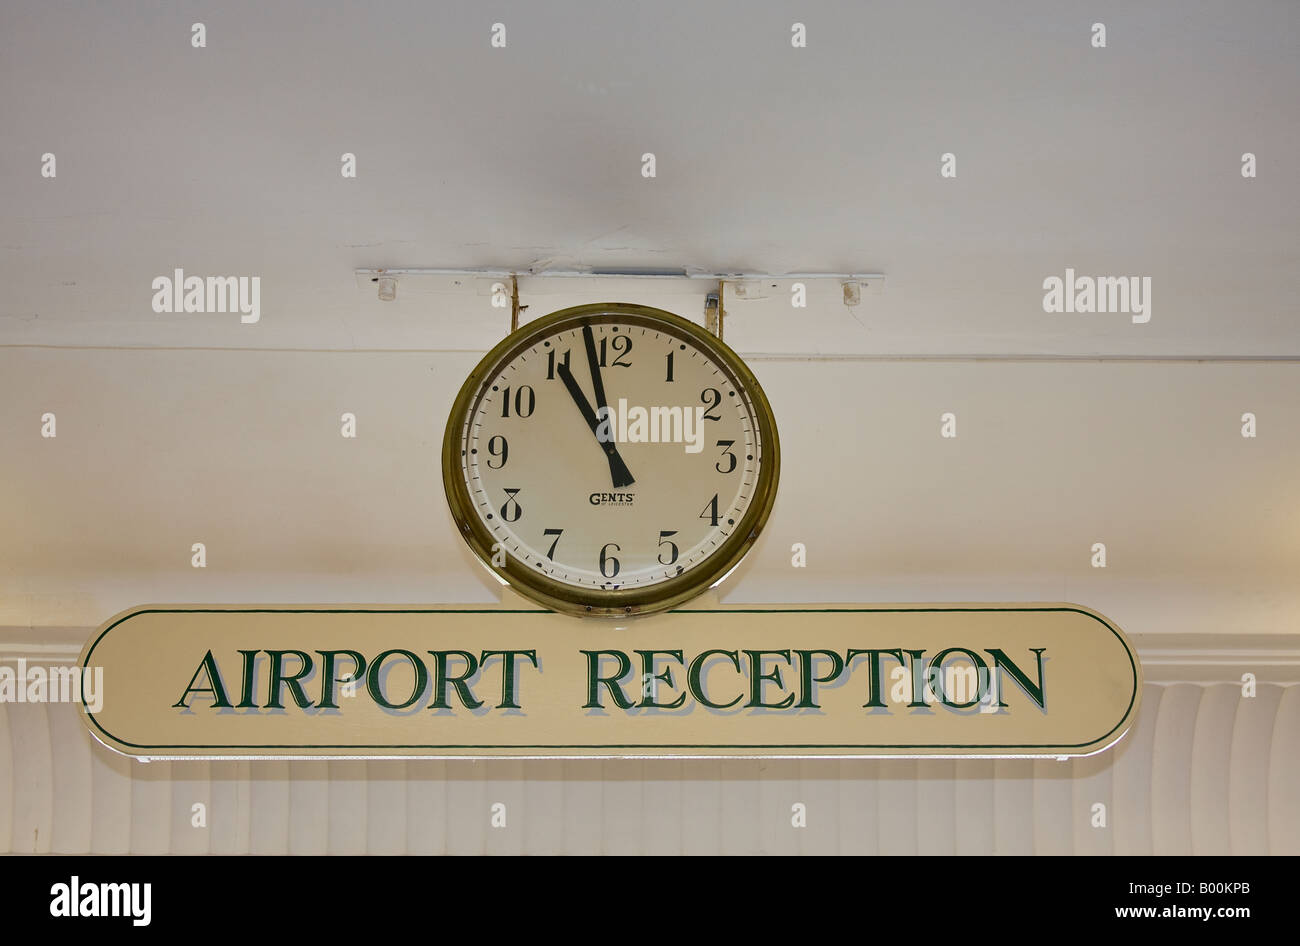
1202 772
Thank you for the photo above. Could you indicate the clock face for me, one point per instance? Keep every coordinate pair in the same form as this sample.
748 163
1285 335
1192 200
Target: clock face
611 459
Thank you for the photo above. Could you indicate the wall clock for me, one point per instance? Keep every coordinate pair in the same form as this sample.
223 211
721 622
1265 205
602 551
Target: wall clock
610 459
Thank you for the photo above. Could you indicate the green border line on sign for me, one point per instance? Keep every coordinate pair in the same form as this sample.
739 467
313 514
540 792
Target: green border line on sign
580 746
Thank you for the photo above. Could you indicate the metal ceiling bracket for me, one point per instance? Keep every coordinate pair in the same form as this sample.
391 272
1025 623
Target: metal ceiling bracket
515 307
368 276
722 306
745 286
712 313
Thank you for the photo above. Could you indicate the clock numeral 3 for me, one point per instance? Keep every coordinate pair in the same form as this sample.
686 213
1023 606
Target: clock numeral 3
513 504
726 453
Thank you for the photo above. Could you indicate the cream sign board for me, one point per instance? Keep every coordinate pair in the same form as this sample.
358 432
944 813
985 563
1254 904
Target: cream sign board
951 680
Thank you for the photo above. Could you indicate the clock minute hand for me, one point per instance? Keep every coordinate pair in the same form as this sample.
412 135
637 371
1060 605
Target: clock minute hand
597 383
618 471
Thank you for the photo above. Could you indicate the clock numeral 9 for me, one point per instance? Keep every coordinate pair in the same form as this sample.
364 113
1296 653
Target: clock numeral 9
712 397
711 511
525 401
498 448
672 546
620 351
726 453
512 503
608 563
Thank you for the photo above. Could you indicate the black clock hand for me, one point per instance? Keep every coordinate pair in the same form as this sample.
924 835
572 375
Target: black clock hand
618 470
597 384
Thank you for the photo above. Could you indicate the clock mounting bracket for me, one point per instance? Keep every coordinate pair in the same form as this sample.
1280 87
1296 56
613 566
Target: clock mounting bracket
743 286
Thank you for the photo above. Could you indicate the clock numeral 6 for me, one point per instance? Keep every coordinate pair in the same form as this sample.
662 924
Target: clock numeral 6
512 503
498 448
672 546
525 401
608 563
712 397
726 453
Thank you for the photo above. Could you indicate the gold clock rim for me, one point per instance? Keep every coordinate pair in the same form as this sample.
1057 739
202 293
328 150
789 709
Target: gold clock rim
626 602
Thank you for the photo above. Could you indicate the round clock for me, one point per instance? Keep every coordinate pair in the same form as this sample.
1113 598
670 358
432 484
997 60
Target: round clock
610 459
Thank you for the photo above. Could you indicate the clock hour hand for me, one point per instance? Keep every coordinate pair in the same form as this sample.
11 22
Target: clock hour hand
618 470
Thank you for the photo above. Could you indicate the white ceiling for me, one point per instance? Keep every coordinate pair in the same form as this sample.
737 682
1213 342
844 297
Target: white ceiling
179 428
1123 160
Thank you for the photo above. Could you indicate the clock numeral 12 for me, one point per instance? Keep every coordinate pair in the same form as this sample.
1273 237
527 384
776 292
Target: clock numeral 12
620 352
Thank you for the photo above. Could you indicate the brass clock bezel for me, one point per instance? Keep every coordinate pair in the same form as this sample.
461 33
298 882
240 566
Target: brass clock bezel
569 599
